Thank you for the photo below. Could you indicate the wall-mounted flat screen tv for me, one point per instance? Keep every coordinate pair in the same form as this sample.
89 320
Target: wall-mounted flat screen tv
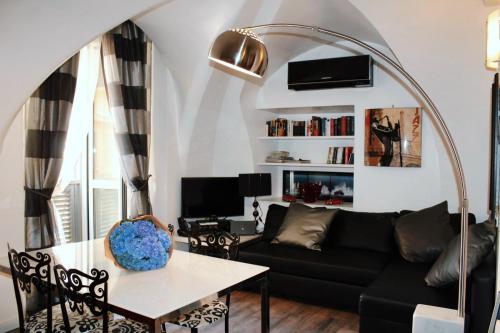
211 196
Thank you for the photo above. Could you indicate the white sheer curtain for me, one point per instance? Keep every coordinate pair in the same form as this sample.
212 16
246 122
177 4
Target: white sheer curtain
81 117
79 124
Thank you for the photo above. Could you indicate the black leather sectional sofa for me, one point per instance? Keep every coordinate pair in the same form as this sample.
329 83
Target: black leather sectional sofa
359 269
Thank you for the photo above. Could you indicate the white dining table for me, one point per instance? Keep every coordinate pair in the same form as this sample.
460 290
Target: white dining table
150 296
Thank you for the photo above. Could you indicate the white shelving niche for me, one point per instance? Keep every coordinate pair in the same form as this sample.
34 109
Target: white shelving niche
313 148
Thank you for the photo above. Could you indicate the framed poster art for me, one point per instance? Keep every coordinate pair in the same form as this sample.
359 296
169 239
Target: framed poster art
393 137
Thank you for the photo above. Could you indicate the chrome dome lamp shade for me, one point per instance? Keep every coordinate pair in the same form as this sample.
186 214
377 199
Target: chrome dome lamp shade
241 50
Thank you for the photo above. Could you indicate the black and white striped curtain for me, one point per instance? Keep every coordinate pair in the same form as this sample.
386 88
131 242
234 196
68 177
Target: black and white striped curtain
47 114
126 59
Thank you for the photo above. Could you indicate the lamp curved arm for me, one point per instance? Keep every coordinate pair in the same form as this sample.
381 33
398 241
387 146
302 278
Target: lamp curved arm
449 142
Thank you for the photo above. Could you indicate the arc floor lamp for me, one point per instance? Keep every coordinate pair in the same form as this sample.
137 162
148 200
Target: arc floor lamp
242 50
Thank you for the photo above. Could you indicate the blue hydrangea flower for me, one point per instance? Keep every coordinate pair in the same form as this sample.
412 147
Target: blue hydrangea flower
139 245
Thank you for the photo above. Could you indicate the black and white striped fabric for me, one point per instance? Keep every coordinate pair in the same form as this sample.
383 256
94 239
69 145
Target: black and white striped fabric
126 58
47 114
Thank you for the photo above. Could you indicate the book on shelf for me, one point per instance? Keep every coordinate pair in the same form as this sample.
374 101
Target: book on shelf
340 155
351 158
329 158
316 126
277 127
286 160
342 126
283 157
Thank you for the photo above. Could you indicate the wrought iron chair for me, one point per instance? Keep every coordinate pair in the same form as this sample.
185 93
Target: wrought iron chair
215 243
87 297
28 271
31 275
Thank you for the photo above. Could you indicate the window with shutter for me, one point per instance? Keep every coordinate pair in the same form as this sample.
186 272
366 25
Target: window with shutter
68 204
106 210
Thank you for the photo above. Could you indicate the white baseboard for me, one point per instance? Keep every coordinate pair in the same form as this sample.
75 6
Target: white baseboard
9 324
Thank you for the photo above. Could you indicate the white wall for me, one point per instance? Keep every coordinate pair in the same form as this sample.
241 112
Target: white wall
375 189
12 214
240 122
164 163
443 44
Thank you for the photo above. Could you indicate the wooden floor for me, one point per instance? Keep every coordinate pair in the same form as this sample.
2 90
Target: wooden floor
286 317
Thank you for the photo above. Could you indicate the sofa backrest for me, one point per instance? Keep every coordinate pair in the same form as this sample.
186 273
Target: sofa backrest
274 220
455 219
362 230
359 230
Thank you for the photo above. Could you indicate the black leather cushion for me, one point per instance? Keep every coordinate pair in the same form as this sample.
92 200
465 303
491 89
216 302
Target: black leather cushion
358 230
397 291
446 269
350 266
274 219
305 226
455 219
422 236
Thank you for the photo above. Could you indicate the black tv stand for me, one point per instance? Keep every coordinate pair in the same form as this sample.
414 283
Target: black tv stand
200 225
212 218
210 223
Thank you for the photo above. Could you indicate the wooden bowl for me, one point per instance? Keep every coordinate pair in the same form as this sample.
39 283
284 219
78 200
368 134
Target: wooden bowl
107 246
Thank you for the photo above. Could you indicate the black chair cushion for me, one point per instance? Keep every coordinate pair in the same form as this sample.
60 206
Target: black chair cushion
359 230
274 219
350 266
394 295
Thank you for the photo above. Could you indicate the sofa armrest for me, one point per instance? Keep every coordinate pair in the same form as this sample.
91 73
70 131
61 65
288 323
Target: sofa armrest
481 294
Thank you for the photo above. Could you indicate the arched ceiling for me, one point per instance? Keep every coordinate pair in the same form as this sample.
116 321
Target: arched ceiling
39 35
183 29
337 15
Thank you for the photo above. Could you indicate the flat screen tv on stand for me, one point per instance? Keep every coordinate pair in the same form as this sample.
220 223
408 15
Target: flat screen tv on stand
211 198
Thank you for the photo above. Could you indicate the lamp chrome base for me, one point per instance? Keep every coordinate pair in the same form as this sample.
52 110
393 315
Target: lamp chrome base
427 319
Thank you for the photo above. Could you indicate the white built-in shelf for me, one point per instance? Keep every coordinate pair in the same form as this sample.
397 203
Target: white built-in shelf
319 203
337 137
340 167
